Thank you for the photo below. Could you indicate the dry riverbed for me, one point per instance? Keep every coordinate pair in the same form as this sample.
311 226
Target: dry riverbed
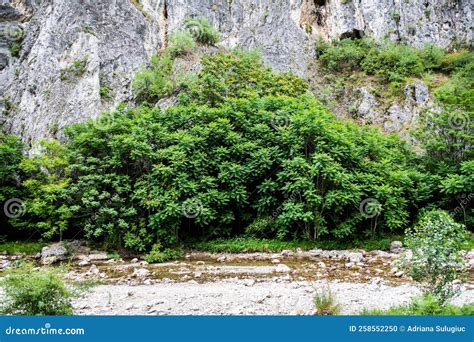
244 284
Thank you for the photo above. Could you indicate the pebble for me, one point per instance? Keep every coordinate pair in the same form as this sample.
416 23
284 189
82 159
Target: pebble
141 273
83 263
94 270
282 268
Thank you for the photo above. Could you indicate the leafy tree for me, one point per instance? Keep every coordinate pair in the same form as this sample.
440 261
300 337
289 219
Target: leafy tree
46 185
447 138
243 147
11 154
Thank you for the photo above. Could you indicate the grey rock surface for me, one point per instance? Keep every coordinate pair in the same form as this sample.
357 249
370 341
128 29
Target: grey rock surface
53 253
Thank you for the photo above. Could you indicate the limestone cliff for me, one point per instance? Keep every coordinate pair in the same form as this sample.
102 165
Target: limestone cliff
58 57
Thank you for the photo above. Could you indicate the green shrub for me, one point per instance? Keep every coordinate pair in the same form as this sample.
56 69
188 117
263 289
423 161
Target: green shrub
243 143
326 304
432 56
180 42
346 54
456 60
15 49
436 241
395 16
159 255
393 62
202 31
35 293
426 305
46 185
261 228
240 75
390 61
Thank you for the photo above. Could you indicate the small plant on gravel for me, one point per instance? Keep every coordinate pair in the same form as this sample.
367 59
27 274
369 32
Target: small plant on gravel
158 254
326 304
181 42
35 293
436 242
427 305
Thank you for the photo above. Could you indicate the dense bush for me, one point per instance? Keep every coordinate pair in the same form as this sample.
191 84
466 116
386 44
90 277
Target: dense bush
436 242
46 186
447 138
35 293
211 166
244 149
393 62
11 154
240 75
390 61
346 54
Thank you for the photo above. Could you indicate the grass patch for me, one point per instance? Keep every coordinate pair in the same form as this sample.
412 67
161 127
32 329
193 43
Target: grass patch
326 304
77 69
159 255
422 306
17 247
244 244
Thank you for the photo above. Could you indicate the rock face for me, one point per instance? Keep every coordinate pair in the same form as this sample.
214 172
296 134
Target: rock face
72 51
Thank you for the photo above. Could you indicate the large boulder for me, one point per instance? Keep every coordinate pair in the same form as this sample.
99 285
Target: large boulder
54 253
